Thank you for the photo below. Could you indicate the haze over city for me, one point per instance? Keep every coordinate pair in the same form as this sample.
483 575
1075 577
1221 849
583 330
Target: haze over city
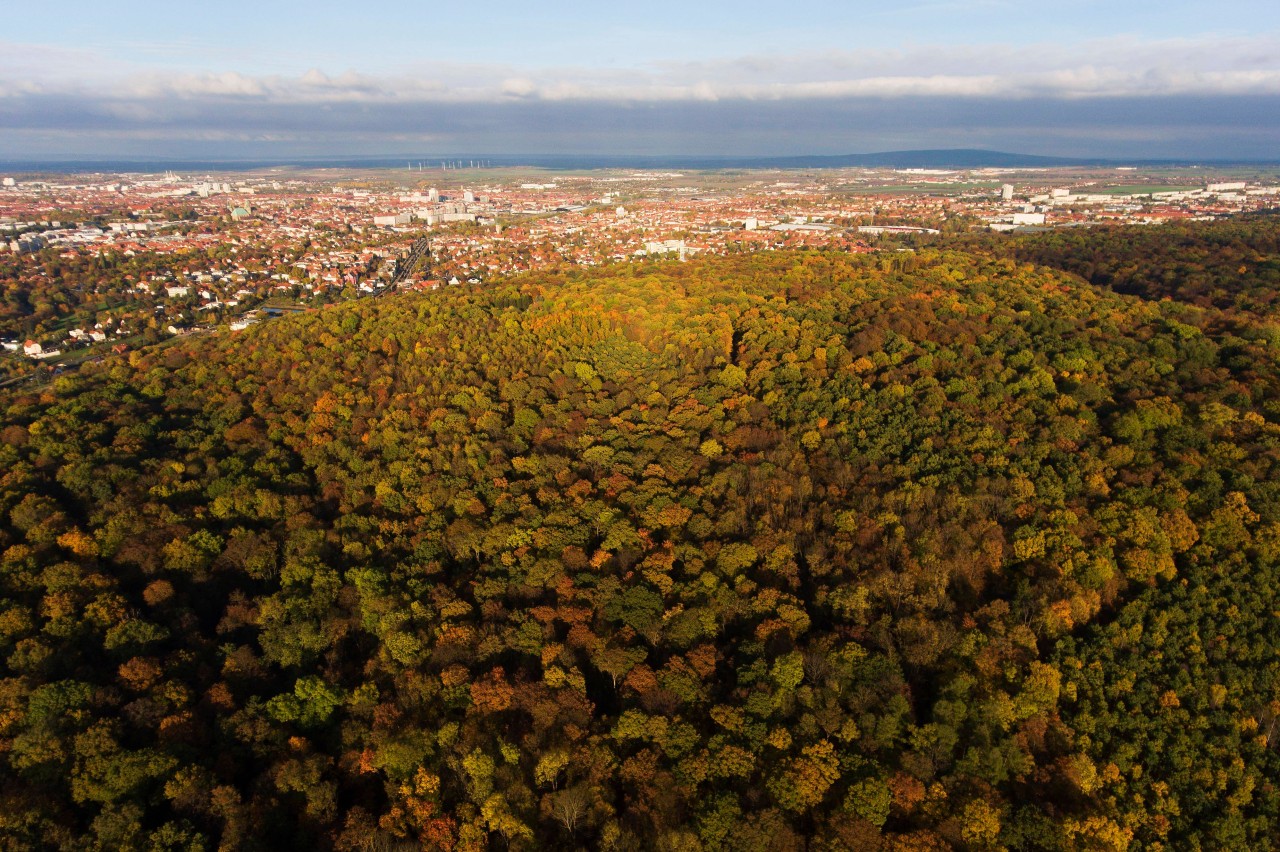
290 80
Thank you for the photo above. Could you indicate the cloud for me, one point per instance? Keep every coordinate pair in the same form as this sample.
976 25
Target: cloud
1087 81
519 87
1120 67
1126 96
1140 127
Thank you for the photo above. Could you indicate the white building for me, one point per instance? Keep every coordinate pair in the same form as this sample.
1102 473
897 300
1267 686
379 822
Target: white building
876 230
799 226
678 247
1006 192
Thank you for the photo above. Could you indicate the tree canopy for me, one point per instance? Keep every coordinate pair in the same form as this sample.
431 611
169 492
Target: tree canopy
796 550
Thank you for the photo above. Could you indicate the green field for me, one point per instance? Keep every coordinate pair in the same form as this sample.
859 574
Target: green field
1142 189
921 188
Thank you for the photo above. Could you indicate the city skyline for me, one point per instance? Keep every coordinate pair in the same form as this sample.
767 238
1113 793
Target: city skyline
1083 79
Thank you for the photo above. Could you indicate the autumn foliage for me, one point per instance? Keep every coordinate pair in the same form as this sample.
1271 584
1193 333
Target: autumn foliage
799 551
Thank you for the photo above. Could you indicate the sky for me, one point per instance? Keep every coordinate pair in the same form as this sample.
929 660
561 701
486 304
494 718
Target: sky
282 79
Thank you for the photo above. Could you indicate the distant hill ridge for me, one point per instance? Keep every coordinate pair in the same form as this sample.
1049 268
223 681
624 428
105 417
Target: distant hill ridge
932 158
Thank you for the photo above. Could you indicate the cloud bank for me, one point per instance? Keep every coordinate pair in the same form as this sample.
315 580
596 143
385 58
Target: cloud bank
1121 97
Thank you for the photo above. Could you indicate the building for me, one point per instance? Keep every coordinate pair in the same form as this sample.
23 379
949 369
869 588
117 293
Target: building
876 230
1006 192
799 226
678 247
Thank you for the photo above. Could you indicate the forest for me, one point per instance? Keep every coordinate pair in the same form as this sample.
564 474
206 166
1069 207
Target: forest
967 548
